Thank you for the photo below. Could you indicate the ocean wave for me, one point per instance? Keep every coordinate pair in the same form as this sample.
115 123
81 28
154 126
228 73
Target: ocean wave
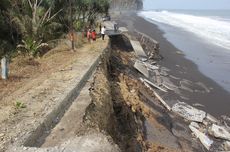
212 30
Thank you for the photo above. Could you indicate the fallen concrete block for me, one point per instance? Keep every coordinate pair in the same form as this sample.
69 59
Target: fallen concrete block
204 139
188 112
138 49
219 132
141 68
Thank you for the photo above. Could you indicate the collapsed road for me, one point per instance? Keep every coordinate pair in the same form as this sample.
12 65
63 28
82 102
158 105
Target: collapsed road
120 108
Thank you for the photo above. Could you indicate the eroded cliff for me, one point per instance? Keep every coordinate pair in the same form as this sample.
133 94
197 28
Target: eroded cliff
126 4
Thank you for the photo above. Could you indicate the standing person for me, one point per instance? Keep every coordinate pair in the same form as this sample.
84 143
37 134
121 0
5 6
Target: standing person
115 27
100 28
89 35
94 34
103 32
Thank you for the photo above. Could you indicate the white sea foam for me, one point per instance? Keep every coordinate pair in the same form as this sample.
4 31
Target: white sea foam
212 30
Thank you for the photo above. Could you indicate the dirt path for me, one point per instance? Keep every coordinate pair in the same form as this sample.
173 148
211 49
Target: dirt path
37 85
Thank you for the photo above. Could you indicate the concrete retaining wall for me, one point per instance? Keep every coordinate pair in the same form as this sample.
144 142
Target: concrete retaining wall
150 46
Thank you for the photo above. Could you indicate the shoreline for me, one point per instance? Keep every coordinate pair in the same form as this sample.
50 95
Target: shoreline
212 98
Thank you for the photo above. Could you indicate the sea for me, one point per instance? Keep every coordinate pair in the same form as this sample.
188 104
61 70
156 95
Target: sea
202 35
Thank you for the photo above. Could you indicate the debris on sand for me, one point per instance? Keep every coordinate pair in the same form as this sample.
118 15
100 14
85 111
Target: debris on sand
152 84
204 139
188 112
219 132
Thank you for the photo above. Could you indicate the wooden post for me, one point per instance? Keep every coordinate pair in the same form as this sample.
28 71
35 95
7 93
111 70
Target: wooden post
4 65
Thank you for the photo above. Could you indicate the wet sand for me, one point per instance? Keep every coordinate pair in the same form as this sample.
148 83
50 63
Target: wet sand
215 99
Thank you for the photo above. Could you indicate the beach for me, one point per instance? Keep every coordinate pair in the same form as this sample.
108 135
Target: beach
194 87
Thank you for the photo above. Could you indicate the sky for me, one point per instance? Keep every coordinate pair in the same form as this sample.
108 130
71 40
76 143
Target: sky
186 4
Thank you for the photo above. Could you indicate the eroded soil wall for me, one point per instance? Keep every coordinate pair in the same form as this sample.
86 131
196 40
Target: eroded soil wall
114 96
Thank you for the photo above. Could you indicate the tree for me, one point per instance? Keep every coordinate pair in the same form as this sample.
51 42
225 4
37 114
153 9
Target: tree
8 33
35 23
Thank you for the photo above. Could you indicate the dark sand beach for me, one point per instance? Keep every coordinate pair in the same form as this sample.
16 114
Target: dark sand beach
199 89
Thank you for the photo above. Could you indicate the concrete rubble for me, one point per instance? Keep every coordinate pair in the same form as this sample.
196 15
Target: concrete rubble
141 68
152 84
219 132
203 125
188 112
204 139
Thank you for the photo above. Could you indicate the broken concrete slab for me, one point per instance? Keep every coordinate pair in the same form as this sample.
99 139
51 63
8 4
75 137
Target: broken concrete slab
123 29
188 112
158 97
138 49
151 67
204 139
219 132
141 68
152 84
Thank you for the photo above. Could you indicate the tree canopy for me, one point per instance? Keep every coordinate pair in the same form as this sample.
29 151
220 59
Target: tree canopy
37 21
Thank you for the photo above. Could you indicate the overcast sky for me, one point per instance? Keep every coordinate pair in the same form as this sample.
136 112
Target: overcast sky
186 4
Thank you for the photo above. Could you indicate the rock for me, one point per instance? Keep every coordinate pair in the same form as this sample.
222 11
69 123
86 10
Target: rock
188 112
204 139
219 132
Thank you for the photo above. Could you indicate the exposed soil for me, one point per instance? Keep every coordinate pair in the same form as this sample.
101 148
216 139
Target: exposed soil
136 121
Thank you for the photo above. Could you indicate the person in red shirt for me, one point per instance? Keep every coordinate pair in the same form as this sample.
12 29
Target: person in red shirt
94 34
89 35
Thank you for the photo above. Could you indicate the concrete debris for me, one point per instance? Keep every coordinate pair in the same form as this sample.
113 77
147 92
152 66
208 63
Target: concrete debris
162 101
167 87
226 145
204 139
151 67
219 132
211 118
152 84
141 68
138 49
198 105
123 29
188 112
195 124
158 97
143 59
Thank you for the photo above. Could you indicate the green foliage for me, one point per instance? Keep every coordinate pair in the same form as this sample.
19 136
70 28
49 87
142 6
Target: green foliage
20 105
78 25
31 47
36 21
7 32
